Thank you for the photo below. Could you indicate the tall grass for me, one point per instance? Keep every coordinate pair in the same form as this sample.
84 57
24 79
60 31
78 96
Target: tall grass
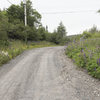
8 52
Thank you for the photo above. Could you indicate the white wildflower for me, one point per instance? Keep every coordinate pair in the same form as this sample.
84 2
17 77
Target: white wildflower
5 53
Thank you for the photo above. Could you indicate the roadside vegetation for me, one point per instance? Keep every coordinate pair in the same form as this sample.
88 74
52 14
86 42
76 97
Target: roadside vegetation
17 47
15 37
84 50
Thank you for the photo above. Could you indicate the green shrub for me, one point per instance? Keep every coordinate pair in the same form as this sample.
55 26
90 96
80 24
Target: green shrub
97 75
4 59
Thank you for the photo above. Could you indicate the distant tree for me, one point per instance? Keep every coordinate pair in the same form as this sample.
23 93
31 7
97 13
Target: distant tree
55 38
61 30
59 34
41 33
93 29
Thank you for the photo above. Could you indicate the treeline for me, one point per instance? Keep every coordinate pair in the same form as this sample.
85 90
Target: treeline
91 33
12 26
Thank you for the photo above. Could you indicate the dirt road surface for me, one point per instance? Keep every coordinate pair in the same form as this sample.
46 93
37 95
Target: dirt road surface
46 74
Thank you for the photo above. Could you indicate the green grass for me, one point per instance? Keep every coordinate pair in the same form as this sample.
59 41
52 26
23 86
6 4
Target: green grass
17 47
86 54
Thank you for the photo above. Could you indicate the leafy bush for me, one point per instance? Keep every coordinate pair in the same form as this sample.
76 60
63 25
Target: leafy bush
4 59
86 35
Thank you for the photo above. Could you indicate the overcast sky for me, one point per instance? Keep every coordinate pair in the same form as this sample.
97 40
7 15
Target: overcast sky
84 14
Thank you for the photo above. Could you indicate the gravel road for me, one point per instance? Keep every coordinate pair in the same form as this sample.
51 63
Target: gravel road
46 74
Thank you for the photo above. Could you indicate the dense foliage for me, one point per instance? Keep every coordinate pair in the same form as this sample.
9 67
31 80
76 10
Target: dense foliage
12 26
86 51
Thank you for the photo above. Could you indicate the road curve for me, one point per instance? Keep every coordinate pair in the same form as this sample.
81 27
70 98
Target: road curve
46 74
34 75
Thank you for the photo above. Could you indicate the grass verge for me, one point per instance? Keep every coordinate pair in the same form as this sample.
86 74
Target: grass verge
17 47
